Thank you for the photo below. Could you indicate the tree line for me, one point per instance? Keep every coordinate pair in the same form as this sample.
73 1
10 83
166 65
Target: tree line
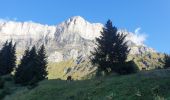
31 68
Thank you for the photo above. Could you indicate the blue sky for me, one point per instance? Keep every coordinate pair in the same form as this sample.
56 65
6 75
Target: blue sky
151 16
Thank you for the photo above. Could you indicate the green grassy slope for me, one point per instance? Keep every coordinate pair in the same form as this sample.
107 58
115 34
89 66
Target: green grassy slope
148 85
79 71
56 70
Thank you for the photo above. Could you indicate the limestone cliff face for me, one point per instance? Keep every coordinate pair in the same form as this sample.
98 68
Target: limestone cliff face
73 38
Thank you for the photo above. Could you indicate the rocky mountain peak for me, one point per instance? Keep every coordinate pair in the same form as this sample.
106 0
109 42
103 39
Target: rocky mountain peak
78 27
76 20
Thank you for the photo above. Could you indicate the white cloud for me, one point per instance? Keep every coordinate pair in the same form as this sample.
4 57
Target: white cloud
137 37
137 30
2 20
6 19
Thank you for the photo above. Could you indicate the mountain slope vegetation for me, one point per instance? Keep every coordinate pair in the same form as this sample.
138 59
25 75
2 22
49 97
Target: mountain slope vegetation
146 85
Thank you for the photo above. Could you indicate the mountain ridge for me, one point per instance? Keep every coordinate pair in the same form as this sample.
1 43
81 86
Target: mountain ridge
71 39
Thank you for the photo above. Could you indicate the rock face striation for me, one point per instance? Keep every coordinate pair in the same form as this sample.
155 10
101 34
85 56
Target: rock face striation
72 39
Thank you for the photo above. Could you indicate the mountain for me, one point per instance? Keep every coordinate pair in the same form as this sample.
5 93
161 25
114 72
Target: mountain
70 39
73 39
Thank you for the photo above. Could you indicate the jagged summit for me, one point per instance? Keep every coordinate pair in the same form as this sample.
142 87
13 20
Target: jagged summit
76 19
77 26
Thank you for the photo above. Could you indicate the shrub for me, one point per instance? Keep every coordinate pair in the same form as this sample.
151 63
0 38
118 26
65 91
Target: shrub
125 68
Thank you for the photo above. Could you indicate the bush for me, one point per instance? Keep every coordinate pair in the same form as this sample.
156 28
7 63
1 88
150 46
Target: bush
125 68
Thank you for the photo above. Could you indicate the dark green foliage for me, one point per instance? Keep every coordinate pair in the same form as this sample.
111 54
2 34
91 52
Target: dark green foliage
125 68
42 61
27 68
7 58
4 92
32 68
111 49
1 83
167 61
20 70
8 78
102 53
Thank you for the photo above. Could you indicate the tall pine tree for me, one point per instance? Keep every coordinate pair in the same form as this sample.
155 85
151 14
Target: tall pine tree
111 49
42 61
12 56
22 67
3 56
7 58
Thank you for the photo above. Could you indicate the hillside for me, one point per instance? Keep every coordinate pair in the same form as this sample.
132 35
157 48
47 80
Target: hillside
79 69
147 85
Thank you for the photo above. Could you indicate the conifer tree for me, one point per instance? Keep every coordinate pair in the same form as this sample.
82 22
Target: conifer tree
7 58
167 61
22 67
111 49
32 68
42 61
12 57
3 56
26 73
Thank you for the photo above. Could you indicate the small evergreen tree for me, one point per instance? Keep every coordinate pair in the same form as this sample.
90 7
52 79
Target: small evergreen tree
42 61
12 57
167 61
26 72
111 49
22 67
2 67
32 68
7 58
